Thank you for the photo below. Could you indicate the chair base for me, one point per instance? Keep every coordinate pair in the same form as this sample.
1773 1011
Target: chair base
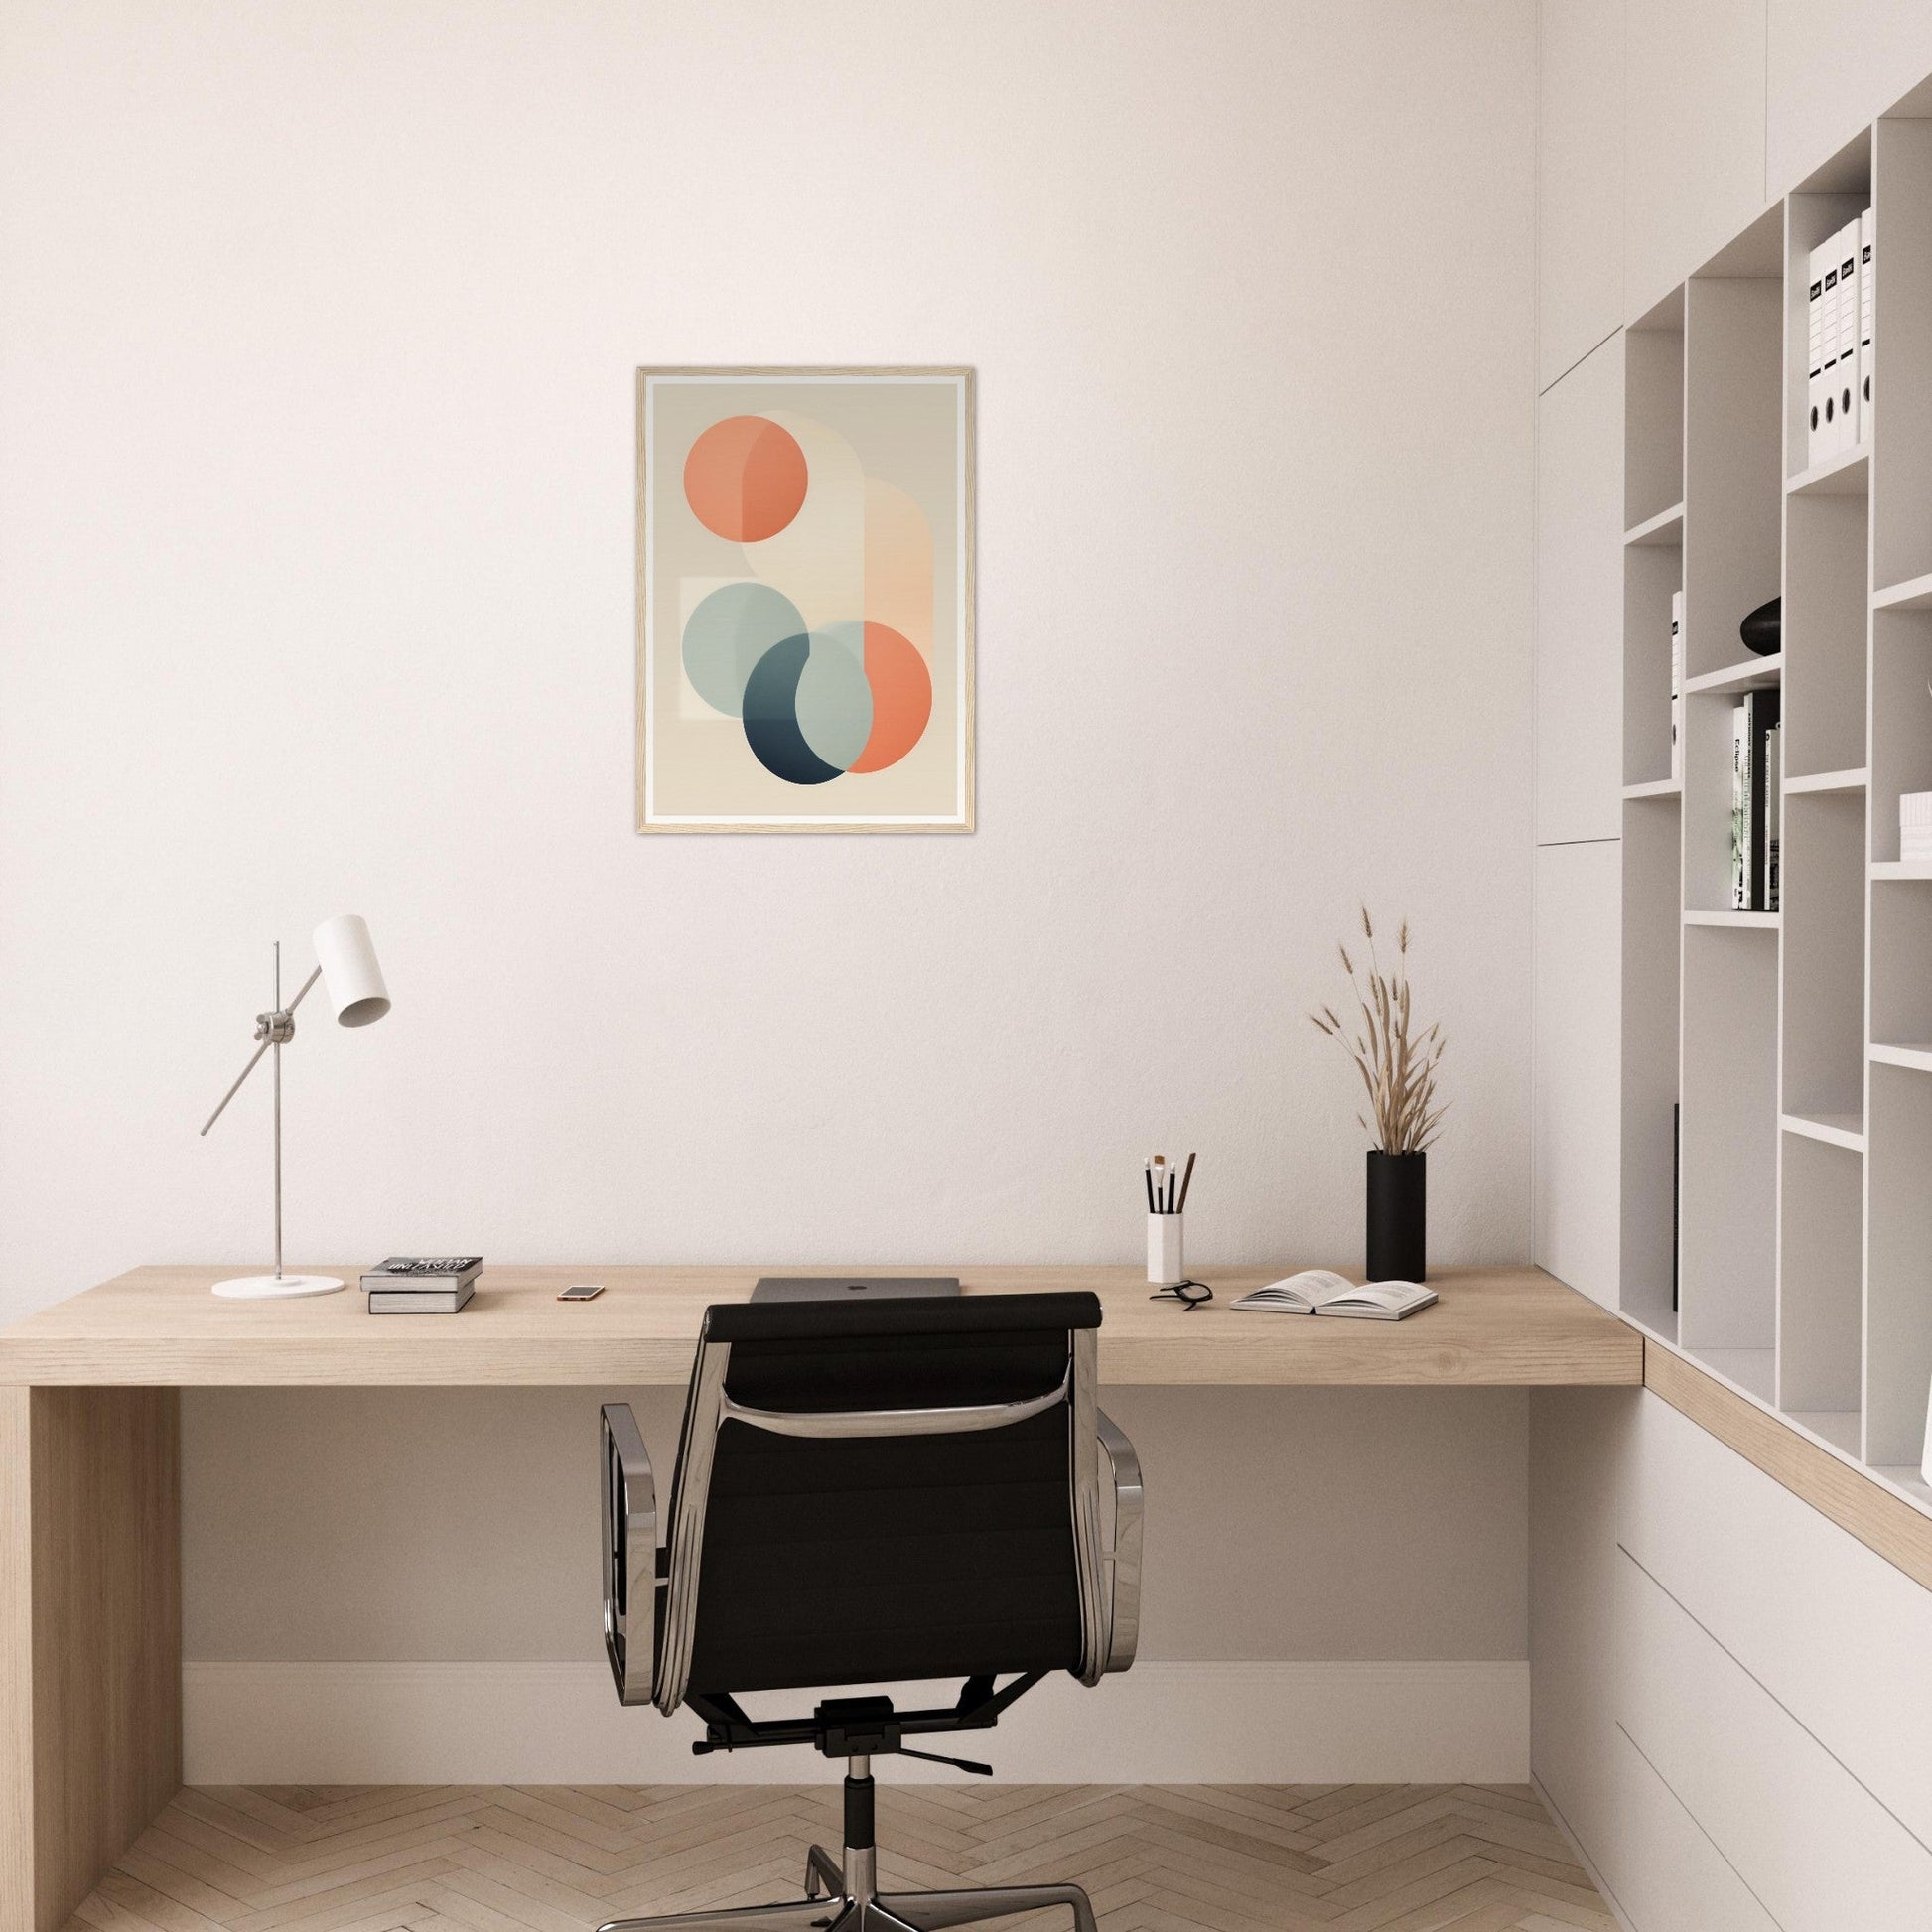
847 1905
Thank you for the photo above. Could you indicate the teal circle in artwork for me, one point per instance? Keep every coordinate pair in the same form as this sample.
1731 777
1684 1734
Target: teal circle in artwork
771 716
808 706
834 698
728 632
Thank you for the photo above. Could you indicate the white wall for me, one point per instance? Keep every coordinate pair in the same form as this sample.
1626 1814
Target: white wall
315 405
316 497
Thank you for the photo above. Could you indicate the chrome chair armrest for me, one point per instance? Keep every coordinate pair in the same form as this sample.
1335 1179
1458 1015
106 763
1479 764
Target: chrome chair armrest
836 1424
1124 1559
629 1555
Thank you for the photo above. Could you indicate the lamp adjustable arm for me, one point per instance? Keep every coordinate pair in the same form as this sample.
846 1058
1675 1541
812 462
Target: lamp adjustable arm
274 1029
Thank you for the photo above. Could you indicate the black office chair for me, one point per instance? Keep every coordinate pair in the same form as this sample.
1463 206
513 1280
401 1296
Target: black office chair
868 1495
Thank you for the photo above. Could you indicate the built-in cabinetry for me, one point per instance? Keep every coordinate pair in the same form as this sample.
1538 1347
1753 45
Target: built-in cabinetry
1783 1238
1730 1701
1730 1705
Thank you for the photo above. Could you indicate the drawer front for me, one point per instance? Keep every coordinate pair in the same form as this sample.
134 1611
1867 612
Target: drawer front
1666 1873
1834 1633
1812 1844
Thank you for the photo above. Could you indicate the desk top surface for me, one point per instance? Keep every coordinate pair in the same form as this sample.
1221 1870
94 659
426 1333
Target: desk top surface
160 1326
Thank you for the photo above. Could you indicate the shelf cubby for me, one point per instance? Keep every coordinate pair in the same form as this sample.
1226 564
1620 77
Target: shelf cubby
1734 476
1653 414
1821 1242
1651 574
1901 964
1729 1223
1901 718
1898 1293
1652 854
1826 615
1707 730
1822 917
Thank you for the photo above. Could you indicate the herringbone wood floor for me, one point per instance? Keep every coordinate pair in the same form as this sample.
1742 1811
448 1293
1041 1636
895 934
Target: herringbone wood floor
558 1858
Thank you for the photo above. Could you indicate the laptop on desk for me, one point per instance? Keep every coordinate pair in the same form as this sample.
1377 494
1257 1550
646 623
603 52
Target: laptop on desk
848 1288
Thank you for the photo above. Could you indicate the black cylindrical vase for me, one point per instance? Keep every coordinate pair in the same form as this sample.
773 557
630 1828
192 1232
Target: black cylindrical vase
1397 1216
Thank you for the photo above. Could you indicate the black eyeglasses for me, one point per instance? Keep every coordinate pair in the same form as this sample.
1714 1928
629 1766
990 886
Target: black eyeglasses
1191 1295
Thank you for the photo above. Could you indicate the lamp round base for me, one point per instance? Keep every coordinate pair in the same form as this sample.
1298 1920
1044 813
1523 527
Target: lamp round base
275 1288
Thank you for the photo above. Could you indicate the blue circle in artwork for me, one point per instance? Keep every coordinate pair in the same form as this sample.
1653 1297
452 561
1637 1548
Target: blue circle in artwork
771 716
728 632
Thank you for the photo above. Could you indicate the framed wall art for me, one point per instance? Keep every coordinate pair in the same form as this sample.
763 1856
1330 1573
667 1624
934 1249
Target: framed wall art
804 600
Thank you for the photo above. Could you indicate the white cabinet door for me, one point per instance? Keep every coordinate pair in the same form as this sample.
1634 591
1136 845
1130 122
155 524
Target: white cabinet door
1578 752
1575 1112
1841 1638
1814 1846
1579 180
1833 67
1663 1871
1693 137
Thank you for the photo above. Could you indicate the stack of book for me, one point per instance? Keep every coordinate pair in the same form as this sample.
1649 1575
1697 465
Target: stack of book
1754 804
421 1284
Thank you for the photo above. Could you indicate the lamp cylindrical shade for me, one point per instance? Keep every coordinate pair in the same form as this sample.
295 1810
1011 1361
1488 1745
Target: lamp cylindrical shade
349 975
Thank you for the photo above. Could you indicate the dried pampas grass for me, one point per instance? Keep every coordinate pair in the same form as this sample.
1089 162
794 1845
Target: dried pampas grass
1398 1067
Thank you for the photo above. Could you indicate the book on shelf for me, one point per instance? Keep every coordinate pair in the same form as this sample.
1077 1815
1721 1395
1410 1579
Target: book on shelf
1773 811
1845 387
1677 686
1752 818
1868 301
1740 810
1320 1291
1825 265
1815 355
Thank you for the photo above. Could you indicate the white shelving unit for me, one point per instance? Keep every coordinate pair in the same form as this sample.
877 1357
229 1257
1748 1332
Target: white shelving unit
1797 1043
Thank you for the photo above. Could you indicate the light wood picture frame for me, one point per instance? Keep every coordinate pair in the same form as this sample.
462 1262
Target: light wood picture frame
804 654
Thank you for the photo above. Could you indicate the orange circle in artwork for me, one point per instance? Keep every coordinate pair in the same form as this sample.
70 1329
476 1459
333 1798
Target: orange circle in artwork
901 697
745 479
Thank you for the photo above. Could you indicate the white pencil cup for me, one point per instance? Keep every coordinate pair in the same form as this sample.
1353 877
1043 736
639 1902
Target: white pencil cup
1164 1263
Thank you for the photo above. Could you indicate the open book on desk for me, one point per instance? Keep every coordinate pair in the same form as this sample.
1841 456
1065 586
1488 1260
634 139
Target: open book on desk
1320 1291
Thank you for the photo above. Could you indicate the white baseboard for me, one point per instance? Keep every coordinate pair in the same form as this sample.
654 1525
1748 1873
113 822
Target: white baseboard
561 1723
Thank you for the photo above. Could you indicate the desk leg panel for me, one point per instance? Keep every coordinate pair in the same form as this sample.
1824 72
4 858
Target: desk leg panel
90 1637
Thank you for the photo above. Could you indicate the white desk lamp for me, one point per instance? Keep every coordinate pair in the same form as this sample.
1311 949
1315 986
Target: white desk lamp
346 965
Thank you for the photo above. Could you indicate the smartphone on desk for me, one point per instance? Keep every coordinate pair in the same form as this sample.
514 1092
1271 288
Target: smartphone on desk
582 1292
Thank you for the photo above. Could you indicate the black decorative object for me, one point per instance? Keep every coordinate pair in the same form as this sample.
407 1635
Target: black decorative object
1764 630
1676 1194
1397 1216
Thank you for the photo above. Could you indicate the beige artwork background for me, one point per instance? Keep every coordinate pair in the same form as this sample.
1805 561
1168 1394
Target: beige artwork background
905 428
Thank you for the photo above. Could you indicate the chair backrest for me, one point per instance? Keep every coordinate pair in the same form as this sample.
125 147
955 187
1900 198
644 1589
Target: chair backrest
890 1490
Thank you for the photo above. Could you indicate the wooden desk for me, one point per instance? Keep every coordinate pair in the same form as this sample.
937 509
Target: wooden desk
161 1326
89 1461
